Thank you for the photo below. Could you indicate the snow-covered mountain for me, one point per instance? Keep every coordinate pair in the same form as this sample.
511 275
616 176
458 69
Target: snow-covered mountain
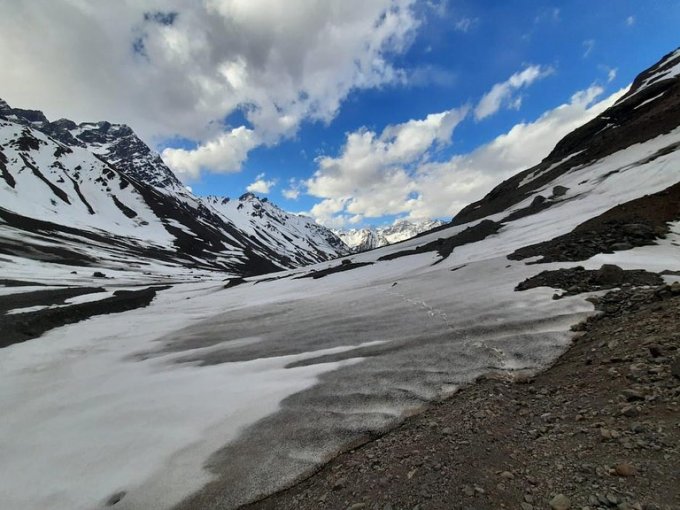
362 239
95 192
278 229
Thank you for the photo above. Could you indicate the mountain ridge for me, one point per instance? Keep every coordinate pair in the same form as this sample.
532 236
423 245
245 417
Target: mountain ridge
369 238
103 181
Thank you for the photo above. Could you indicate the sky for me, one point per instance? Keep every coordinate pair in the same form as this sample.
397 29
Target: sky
356 112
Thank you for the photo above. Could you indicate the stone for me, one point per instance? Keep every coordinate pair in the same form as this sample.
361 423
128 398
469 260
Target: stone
605 433
559 191
630 411
675 368
340 483
625 469
560 502
633 395
655 350
115 498
507 475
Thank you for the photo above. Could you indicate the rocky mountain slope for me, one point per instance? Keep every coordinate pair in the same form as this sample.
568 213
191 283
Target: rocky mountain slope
363 239
95 194
278 229
649 109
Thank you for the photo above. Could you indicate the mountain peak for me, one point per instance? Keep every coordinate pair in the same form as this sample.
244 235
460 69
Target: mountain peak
247 197
374 237
117 144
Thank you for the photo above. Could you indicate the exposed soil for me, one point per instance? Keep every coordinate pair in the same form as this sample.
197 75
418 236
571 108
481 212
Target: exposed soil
20 327
43 297
345 266
19 283
639 222
577 279
598 430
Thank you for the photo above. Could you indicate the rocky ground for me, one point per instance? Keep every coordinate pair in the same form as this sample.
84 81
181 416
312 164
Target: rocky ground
20 327
599 430
576 280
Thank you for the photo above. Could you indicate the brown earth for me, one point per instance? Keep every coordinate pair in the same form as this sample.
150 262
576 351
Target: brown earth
598 430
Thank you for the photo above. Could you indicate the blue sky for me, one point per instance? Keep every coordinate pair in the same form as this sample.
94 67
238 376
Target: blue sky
583 41
364 111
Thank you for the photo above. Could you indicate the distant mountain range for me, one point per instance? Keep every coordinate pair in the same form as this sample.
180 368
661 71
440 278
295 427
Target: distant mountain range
374 237
96 194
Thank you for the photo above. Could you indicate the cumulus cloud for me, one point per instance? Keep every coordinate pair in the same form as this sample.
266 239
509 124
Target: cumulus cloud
293 191
224 154
630 21
427 188
372 168
502 94
261 185
175 68
611 74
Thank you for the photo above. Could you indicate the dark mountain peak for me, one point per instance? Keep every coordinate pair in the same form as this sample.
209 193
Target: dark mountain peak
658 73
214 199
66 124
27 116
248 197
117 144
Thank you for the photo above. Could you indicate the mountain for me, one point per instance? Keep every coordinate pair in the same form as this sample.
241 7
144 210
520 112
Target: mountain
253 386
95 194
295 234
374 237
648 110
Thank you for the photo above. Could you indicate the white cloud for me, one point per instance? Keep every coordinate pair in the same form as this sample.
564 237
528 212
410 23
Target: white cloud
363 180
611 75
372 168
292 192
261 185
176 68
630 21
588 47
548 14
465 24
224 154
502 93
